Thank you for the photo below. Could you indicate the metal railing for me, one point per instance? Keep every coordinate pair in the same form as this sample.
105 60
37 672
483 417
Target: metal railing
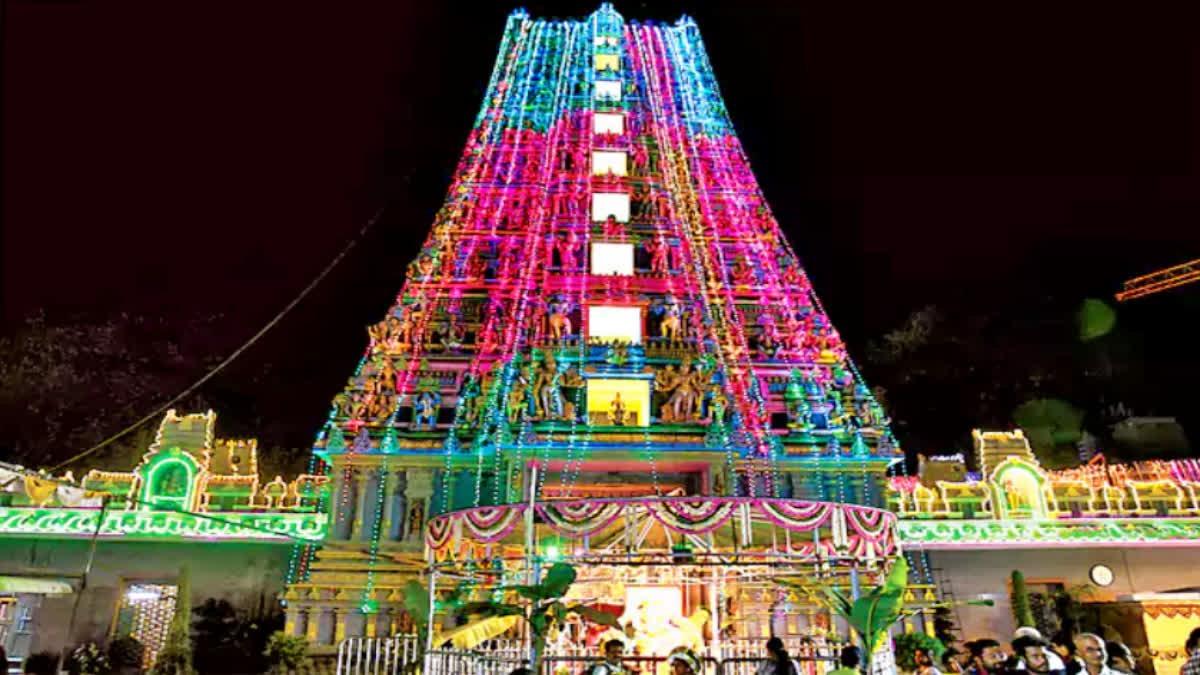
392 656
462 662
376 656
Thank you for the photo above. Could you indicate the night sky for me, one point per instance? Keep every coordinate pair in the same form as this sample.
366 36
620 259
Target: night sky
183 157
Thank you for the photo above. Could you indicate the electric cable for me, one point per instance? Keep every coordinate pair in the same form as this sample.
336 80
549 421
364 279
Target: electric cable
220 366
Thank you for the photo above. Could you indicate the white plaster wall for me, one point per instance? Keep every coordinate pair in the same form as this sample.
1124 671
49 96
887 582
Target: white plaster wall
975 573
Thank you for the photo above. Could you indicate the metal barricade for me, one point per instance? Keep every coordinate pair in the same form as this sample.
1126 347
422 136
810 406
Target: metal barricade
559 664
750 666
376 656
462 662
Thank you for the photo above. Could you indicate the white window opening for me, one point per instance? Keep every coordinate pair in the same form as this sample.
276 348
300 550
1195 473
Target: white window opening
608 259
608 123
608 90
607 41
605 204
605 162
609 323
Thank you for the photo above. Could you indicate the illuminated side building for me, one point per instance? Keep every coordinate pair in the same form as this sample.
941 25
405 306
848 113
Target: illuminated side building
99 558
604 348
1120 542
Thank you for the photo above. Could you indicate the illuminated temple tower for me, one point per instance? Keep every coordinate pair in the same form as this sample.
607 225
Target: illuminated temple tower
604 316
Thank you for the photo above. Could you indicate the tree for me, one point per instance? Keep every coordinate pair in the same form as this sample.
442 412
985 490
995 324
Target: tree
966 364
1019 598
544 609
125 654
175 658
66 385
1053 428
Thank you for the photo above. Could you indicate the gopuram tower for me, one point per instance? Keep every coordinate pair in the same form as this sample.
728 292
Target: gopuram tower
605 352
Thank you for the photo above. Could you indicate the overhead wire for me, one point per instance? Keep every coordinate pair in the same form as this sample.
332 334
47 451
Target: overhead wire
236 353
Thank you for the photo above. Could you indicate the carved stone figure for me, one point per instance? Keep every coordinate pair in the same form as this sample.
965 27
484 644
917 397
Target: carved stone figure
671 326
416 517
560 322
568 251
425 411
517 401
686 391
658 250
547 398
743 274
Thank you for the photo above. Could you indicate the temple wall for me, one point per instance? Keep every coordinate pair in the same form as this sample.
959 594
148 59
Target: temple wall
974 573
245 574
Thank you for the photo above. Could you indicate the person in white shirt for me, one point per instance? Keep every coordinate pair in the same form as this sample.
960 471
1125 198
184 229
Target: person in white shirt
1093 654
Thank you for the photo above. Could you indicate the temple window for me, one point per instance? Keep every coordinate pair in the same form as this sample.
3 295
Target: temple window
605 204
608 62
608 123
608 90
608 259
605 162
610 323
618 402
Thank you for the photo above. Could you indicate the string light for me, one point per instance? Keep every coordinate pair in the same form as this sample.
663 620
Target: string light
486 277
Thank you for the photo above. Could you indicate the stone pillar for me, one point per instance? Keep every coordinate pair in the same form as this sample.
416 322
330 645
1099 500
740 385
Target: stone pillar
291 623
337 512
418 490
394 484
362 524
339 624
313 627
370 623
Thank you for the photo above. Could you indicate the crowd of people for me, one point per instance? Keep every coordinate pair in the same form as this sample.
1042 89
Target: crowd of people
1028 652
1064 654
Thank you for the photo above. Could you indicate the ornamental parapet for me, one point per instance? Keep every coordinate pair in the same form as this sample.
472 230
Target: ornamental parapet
187 485
1012 501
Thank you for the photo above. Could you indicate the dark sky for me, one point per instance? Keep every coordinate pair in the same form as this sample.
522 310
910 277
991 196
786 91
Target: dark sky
179 157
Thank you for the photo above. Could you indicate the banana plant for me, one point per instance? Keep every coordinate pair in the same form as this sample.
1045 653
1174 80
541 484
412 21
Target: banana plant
874 612
543 610
416 601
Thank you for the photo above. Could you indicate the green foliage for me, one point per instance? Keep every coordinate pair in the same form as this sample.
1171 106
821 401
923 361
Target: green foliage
544 610
416 603
1053 427
874 612
908 644
286 653
1019 598
225 640
175 658
87 659
126 652
1094 319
